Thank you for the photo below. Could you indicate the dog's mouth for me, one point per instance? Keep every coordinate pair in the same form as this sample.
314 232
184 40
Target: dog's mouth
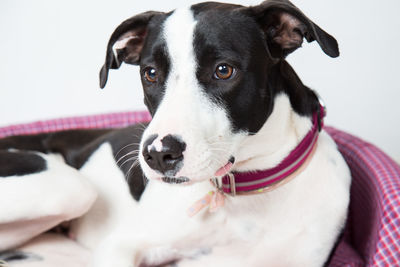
175 180
185 180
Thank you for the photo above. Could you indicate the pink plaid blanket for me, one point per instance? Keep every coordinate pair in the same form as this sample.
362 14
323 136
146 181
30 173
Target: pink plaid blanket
371 236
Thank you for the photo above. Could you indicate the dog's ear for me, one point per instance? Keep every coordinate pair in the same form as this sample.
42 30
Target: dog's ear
126 43
285 26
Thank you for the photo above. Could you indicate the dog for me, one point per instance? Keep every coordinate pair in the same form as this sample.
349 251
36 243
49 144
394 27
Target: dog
239 171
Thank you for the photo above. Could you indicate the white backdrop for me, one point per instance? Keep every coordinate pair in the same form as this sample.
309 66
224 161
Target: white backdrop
51 52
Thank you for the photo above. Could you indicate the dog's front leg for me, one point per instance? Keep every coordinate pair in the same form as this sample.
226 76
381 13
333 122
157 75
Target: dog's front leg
133 244
159 224
127 251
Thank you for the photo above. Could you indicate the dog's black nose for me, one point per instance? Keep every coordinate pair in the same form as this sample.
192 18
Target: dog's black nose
168 160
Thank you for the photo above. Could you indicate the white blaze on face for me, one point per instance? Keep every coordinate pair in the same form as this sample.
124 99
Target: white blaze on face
185 109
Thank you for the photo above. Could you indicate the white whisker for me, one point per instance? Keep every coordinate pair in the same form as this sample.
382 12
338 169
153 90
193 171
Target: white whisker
133 152
128 173
128 160
128 145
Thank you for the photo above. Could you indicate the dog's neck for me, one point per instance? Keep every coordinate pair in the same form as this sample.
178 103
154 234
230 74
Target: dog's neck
283 130
288 123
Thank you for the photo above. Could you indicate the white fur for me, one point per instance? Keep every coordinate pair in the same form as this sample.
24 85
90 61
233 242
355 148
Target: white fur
294 225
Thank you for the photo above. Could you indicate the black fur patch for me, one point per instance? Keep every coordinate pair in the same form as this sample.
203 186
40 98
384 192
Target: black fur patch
155 55
229 34
126 142
20 163
225 35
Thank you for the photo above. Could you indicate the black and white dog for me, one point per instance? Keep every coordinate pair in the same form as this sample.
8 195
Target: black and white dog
227 108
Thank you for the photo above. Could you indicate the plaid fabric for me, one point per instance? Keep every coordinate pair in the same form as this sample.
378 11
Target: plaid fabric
112 120
371 236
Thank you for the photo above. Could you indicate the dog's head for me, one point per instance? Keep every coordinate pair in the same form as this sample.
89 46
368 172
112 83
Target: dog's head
210 74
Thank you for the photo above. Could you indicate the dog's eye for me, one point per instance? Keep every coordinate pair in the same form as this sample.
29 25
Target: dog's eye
150 74
223 72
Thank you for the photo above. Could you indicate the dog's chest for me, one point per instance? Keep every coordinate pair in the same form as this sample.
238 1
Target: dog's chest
164 208
242 223
164 213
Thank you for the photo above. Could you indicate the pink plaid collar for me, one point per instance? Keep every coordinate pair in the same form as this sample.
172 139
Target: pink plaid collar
266 180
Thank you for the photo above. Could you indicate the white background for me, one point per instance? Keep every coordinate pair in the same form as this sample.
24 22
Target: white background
51 52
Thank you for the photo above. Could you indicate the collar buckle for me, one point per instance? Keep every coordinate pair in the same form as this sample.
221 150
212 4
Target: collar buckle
232 185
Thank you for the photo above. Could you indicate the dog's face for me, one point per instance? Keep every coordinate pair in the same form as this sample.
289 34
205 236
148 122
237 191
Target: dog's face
206 72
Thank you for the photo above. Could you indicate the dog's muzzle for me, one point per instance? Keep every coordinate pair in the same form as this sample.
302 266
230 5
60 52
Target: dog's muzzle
168 159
